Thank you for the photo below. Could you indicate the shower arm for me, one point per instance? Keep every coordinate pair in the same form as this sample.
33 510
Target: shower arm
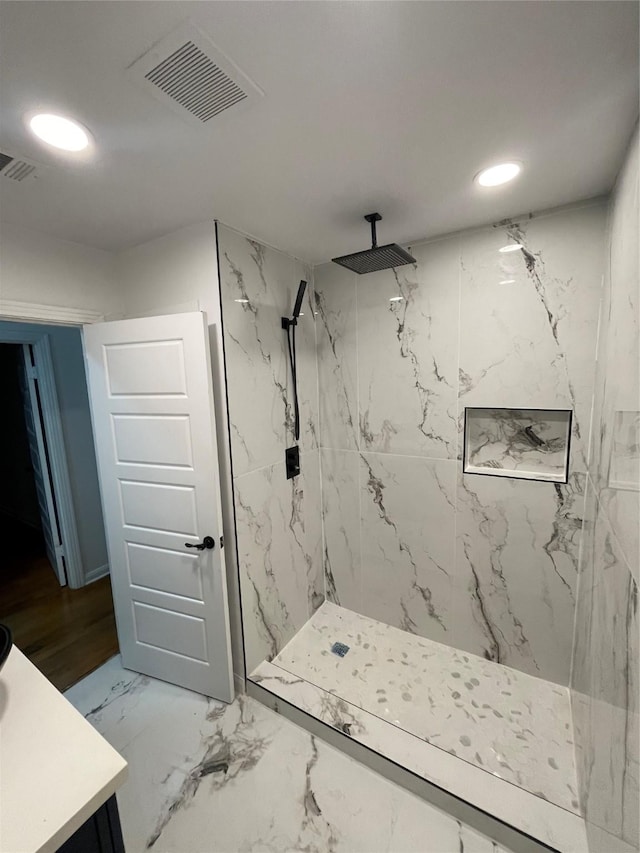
373 218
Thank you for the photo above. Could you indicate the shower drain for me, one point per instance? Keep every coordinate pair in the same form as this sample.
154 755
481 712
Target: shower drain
339 649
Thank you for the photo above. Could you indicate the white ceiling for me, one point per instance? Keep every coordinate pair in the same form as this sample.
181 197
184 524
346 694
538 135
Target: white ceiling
389 106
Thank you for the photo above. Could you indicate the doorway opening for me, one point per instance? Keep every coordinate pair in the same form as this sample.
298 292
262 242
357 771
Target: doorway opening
55 591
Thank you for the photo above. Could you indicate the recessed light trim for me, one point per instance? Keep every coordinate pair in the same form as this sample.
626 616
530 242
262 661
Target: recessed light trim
59 131
242 301
511 247
497 175
507 281
396 299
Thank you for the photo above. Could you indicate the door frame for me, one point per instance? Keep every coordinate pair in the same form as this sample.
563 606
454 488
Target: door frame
52 428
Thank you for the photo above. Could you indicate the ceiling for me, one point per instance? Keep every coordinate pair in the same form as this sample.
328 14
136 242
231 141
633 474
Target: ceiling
388 106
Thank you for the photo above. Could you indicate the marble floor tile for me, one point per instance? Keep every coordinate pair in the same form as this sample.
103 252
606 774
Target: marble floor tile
513 725
204 776
526 820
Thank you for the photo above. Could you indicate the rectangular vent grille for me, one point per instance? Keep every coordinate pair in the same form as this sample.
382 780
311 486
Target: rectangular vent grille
18 171
195 82
14 169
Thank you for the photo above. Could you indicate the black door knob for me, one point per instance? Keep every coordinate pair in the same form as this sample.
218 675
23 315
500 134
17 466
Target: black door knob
208 542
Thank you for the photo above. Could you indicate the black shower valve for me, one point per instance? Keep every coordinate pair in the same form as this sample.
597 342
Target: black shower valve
292 461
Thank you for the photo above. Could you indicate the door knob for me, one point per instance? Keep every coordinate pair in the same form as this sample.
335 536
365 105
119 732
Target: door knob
208 542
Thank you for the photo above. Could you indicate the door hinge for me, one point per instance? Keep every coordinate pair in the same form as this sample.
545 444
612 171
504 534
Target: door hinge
59 551
32 371
222 541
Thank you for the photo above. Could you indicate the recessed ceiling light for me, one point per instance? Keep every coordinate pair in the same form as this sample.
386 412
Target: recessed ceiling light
59 131
396 299
241 301
500 174
511 247
507 281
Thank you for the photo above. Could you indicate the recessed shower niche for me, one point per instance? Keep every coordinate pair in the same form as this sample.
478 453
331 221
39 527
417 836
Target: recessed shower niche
529 444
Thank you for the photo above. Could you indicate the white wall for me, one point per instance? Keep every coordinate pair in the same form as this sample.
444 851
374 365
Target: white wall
38 269
175 273
178 272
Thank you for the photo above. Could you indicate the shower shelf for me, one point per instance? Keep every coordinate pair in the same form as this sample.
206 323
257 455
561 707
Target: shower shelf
524 444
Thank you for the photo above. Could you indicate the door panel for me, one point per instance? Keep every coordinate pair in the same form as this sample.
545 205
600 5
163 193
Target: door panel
178 633
152 407
160 507
40 465
150 367
153 440
165 571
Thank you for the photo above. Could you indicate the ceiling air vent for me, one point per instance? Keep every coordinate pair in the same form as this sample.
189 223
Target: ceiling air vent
191 75
16 169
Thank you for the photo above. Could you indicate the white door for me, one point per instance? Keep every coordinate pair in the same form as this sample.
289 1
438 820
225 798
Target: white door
152 408
40 464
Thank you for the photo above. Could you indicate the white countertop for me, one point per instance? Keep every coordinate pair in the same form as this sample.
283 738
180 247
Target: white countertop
55 769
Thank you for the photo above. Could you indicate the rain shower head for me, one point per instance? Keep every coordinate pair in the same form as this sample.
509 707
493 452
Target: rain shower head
377 257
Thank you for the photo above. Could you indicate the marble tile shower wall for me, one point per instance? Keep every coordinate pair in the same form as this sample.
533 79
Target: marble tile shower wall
485 564
278 521
606 657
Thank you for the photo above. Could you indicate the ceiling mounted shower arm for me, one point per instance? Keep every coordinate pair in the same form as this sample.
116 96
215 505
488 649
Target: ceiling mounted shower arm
377 258
373 218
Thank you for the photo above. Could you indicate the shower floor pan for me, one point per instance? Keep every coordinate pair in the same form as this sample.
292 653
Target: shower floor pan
491 735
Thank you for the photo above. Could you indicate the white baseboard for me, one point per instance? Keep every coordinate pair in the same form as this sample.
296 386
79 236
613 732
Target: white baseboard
95 574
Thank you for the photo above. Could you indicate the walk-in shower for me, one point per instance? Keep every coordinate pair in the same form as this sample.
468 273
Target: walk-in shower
457 603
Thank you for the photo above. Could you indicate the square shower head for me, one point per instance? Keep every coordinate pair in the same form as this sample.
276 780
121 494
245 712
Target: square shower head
375 259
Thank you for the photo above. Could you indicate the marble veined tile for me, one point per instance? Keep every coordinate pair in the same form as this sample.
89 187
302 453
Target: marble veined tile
538 818
512 725
605 678
335 295
311 522
279 550
254 347
258 286
117 701
618 369
306 360
408 518
201 777
341 514
529 318
517 553
408 354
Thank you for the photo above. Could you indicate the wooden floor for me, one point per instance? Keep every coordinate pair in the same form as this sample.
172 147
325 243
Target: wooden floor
65 632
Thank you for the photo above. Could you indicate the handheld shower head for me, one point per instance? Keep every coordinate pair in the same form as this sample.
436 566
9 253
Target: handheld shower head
296 308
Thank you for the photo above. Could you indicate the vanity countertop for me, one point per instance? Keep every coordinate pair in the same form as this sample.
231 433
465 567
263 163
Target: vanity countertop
55 769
